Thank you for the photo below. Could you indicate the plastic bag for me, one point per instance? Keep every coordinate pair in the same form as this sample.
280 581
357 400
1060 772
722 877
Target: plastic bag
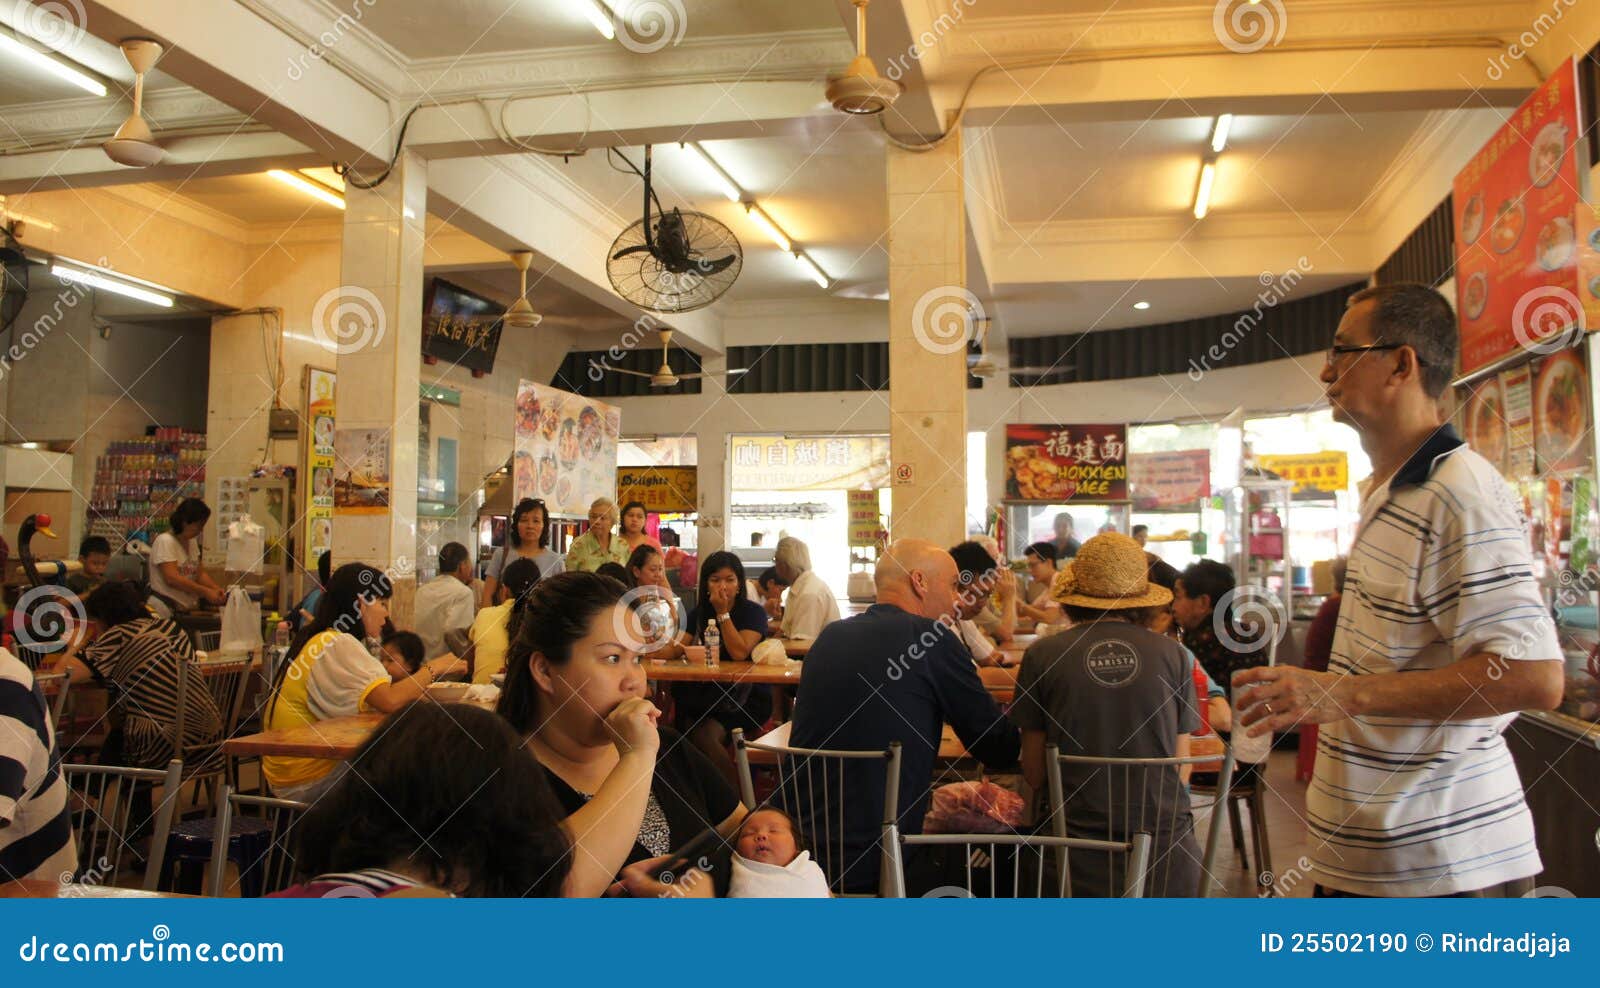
769 653
973 808
244 546
241 622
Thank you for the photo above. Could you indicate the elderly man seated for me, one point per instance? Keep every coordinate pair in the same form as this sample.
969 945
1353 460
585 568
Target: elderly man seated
811 604
896 673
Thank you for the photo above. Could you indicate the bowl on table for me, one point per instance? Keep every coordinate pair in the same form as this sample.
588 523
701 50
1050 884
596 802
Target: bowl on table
695 654
448 692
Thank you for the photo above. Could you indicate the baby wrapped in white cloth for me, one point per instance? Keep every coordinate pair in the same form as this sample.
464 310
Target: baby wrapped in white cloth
768 862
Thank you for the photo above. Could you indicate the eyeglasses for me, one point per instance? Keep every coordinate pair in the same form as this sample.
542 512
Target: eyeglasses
1338 348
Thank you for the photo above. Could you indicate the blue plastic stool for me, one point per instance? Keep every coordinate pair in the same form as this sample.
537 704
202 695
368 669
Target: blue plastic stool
191 842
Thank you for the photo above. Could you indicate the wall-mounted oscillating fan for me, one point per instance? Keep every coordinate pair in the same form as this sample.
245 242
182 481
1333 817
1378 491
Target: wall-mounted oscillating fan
675 262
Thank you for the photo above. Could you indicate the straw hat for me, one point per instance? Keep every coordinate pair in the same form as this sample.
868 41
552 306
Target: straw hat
1110 573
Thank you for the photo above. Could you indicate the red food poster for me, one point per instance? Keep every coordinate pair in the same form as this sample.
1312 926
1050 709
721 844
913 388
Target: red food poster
1516 242
1168 480
1057 463
1560 412
1588 224
1516 388
1483 421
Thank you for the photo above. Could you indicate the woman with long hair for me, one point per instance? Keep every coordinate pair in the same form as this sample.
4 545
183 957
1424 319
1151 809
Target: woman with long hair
527 537
330 672
572 676
656 602
494 627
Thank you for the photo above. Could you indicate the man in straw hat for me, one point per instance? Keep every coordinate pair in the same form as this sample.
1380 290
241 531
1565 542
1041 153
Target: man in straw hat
1111 687
1443 636
894 673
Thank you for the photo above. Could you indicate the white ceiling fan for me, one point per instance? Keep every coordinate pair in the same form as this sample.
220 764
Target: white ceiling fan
980 365
521 315
665 376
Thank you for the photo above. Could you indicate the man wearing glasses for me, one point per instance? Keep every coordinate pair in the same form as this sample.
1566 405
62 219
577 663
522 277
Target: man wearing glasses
1443 636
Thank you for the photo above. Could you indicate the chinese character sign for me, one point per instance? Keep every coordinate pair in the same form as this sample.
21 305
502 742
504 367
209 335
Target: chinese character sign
1310 471
781 463
1164 481
318 490
1516 242
866 528
1056 463
659 489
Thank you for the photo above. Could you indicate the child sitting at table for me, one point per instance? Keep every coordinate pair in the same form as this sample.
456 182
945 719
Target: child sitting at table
401 653
770 861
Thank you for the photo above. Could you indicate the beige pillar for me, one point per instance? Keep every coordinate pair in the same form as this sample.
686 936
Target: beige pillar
928 329
375 319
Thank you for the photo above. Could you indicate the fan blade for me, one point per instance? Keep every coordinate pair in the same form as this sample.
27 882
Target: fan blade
1039 371
704 267
624 370
635 249
699 374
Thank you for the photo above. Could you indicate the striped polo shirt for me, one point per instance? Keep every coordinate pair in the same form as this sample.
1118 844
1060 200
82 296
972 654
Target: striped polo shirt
1440 570
35 831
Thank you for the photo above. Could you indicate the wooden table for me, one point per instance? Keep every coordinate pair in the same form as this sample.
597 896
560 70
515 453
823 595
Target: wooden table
337 738
796 648
951 749
49 888
677 671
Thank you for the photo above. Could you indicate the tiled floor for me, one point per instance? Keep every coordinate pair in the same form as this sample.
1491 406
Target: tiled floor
1286 829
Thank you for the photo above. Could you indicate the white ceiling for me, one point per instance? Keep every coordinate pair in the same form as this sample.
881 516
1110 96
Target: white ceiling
446 30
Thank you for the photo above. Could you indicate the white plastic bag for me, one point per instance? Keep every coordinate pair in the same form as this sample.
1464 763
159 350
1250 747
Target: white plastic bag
241 622
245 539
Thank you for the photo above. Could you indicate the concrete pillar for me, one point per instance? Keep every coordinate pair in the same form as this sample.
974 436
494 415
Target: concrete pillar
929 325
375 319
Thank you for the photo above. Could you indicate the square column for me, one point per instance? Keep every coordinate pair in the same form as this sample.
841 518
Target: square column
374 318
929 326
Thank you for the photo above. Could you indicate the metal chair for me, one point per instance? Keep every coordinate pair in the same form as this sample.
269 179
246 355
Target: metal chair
253 832
983 853
55 686
227 679
1140 795
101 802
205 640
1248 789
798 771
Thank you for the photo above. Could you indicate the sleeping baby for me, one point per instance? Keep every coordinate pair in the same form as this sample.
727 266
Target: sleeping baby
769 863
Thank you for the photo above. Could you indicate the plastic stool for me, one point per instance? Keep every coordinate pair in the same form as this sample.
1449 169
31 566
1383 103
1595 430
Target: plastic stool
191 842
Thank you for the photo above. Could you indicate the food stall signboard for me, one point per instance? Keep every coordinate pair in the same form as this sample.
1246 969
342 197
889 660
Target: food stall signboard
808 463
317 492
866 527
1058 463
1328 472
1516 244
664 490
1169 480
1531 420
566 449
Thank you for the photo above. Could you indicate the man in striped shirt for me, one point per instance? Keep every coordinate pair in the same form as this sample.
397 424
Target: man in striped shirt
1443 636
35 832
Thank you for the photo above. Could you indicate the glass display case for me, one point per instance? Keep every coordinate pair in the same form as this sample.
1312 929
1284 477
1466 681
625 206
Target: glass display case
1257 545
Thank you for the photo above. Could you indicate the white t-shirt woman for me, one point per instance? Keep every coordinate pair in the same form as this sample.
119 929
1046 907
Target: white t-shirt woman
168 548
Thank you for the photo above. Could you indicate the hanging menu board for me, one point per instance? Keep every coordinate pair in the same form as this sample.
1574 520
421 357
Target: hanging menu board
1516 203
1531 420
566 451
1169 481
317 488
660 489
1058 463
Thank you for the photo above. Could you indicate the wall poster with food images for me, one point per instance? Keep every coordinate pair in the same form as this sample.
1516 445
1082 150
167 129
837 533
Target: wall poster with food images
1483 419
1561 430
566 449
1515 204
317 492
1056 463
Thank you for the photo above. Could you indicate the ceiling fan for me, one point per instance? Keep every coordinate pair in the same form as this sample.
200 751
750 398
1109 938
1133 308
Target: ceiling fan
980 365
665 376
675 262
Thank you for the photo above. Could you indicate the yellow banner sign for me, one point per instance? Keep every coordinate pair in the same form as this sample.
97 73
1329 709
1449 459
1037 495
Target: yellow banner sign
1310 471
665 490
780 463
866 527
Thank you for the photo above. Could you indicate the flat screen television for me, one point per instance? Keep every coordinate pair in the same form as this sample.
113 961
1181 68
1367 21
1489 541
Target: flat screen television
460 327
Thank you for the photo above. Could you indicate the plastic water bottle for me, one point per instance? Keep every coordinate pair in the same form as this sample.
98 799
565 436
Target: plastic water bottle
713 643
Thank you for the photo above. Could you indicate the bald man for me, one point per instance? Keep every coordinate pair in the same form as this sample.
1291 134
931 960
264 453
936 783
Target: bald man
895 673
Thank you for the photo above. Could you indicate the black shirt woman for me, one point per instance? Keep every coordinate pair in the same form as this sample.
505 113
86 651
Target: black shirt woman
706 712
571 677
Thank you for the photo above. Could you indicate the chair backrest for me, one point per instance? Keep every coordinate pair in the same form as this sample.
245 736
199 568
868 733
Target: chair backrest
206 641
1024 866
811 788
228 679
1119 797
55 686
273 865
101 801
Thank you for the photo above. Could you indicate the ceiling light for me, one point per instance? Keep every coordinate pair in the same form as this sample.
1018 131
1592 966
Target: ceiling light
811 268
315 190
720 178
20 50
1219 133
108 283
133 144
1141 306
599 16
1202 192
859 88
768 227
